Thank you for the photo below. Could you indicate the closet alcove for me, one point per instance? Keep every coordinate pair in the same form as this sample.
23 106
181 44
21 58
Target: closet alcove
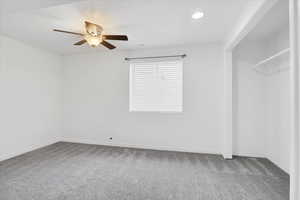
261 89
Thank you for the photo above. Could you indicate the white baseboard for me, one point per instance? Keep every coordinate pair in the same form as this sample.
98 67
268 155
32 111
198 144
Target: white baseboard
251 155
278 165
86 141
160 148
29 149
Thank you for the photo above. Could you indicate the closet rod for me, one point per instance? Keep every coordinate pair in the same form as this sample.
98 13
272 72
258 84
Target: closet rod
272 57
172 56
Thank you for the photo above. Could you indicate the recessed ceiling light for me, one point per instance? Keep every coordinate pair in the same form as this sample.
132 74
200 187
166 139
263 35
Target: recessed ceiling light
197 15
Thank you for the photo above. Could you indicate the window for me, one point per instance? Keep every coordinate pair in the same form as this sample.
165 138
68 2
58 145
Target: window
156 86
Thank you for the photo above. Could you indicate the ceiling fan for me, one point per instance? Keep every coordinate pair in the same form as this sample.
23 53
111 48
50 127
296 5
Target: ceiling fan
94 36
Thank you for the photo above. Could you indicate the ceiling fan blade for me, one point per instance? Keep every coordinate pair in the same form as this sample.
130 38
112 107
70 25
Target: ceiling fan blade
108 45
80 42
115 37
57 30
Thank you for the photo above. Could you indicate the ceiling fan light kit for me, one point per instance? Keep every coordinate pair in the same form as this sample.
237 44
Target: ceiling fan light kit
94 36
93 41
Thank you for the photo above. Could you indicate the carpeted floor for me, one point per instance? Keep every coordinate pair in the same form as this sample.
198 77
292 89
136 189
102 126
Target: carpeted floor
68 171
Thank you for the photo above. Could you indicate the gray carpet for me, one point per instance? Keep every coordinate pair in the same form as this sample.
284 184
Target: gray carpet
68 171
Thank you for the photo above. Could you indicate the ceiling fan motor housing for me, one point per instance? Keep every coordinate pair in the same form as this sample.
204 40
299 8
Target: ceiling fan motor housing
93 36
93 29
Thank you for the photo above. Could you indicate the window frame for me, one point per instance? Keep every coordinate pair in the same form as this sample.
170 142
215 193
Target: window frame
179 62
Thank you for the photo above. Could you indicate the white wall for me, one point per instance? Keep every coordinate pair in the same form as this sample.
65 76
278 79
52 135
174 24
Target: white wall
249 134
262 112
91 104
278 119
278 104
30 102
96 102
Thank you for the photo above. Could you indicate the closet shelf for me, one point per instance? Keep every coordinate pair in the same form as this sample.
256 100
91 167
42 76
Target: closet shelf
275 63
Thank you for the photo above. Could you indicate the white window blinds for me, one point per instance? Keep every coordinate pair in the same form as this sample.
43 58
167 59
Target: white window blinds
156 86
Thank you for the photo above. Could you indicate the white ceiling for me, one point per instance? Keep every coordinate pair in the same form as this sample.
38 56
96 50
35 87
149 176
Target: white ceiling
273 22
148 23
